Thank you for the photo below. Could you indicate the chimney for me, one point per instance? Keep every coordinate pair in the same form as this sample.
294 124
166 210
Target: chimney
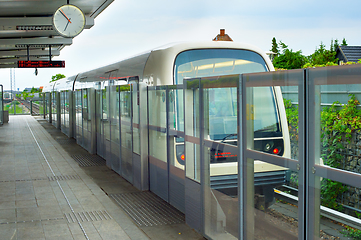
222 36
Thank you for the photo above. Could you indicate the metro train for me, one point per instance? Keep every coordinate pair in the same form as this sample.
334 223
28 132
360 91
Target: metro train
132 113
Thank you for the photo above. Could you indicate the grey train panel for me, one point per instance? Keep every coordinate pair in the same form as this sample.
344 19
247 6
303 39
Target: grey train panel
177 188
158 174
193 204
136 171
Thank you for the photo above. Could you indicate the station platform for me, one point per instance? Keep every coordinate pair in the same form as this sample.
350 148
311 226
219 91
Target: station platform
51 188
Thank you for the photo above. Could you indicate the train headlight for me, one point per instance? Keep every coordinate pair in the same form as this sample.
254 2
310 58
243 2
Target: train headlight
268 146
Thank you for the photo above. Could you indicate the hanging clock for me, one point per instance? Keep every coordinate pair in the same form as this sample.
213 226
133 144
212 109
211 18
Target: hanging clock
69 20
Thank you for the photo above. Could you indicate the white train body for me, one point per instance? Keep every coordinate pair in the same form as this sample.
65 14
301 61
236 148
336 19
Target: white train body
152 68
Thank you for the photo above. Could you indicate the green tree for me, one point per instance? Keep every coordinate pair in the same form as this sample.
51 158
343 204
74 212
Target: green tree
322 56
26 94
274 48
57 77
289 59
334 45
344 43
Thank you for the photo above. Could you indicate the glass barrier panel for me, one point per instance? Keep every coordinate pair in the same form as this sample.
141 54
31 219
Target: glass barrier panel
191 127
114 120
220 133
79 121
335 131
1 105
136 115
126 132
176 109
106 116
157 124
271 150
54 107
176 123
99 123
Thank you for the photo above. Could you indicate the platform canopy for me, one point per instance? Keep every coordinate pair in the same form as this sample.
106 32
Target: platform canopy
26 30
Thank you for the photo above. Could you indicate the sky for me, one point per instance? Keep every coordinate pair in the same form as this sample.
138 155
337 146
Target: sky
129 27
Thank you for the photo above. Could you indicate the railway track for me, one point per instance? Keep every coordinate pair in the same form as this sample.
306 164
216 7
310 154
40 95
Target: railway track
289 194
36 108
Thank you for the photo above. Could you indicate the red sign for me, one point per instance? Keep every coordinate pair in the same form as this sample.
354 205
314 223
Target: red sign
41 64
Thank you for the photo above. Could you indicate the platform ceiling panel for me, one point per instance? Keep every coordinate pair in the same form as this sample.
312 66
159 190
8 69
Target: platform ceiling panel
27 26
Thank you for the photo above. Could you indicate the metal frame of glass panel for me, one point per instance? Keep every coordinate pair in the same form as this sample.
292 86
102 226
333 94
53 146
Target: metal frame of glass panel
247 155
308 166
1 105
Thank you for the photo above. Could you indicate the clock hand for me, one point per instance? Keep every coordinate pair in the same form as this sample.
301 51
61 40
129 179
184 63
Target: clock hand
67 24
61 10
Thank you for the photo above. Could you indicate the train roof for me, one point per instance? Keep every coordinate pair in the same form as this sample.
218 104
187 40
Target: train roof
134 66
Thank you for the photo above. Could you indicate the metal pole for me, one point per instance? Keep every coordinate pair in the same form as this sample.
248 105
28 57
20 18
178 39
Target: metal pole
28 52
49 52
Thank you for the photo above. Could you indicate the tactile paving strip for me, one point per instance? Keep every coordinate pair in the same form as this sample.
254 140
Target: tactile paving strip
146 209
87 216
68 141
88 160
50 178
63 177
33 221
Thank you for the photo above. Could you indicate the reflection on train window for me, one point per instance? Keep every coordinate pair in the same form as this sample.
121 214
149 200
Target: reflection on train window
223 113
216 62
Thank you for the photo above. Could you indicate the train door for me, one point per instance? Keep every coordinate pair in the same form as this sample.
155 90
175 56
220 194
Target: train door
157 125
176 157
136 159
99 122
114 118
78 117
166 144
126 127
103 125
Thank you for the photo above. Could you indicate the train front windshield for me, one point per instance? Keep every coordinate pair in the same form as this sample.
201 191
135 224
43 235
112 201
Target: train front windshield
223 101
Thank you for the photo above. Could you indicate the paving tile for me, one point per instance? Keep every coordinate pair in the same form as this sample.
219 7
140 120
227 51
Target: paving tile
6 204
111 235
92 236
30 224
87 226
29 196
7 215
50 212
27 214
30 233
8 231
25 203
46 202
56 230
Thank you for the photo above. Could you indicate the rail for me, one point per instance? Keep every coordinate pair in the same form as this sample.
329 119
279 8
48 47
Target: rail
326 212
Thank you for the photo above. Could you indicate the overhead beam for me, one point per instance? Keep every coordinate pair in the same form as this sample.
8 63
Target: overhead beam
15 60
9 65
35 52
11 23
101 8
35 41
15 24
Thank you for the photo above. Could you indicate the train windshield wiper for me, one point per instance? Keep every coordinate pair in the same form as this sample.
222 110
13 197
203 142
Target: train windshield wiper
228 136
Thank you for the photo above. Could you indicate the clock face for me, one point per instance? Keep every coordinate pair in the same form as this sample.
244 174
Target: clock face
68 20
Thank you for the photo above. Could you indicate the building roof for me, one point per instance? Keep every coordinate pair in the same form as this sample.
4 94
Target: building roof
222 36
349 53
